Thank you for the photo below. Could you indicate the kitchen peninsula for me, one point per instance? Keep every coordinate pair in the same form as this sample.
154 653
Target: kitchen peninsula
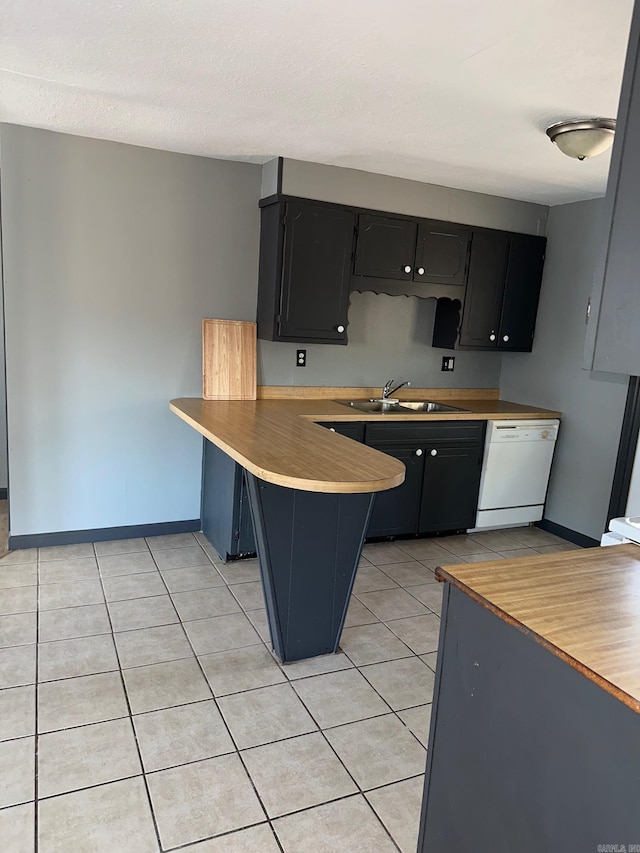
311 493
535 729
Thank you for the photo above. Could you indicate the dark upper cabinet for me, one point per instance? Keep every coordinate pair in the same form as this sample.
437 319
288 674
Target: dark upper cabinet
501 297
486 282
427 252
306 254
442 252
485 289
385 247
521 292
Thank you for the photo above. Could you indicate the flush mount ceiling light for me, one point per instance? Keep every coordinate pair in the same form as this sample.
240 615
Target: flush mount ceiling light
583 138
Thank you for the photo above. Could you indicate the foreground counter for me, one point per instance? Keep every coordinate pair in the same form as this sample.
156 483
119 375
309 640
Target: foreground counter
535 731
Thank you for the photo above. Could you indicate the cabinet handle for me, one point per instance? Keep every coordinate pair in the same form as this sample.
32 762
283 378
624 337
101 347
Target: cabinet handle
340 329
505 338
420 270
406 268
434 452
492 336
418 452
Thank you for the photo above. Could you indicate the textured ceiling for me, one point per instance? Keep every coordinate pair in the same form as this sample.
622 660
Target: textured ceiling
454 92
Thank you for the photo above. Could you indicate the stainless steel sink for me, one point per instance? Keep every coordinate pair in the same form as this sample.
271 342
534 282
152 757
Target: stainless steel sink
421 406
399 407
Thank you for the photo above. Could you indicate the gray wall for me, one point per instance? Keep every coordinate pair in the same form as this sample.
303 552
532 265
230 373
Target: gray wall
592 403
113 254
398 195
389 336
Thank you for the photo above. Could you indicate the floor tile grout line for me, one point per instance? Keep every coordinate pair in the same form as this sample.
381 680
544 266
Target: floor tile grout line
228 730
190 845
133 728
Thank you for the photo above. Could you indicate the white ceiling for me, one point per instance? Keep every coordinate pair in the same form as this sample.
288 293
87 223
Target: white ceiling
454 92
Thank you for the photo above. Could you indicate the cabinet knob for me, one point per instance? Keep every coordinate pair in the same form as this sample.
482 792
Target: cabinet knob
505 338
420 270
332 429
340 329
406 268
434 452
492 336
418 452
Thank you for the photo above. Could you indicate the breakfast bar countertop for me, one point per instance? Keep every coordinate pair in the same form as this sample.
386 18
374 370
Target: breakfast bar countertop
583 606
276 439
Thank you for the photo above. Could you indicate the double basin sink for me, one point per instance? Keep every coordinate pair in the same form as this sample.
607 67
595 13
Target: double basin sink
399 407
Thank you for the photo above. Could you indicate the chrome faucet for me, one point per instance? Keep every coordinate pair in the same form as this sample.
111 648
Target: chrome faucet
390 389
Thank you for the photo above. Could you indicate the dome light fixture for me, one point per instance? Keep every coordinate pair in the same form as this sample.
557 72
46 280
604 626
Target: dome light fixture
583 138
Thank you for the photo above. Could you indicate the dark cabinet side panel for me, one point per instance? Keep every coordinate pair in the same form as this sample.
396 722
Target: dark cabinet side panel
318 247
613 342
485 287
385 247
521 292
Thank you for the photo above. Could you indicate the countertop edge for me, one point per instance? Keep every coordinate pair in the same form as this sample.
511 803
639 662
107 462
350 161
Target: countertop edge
360 486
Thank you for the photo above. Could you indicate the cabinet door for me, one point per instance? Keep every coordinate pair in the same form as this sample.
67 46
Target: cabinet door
521 292
395 511
451 487
318 247
385 247
441 253
485 287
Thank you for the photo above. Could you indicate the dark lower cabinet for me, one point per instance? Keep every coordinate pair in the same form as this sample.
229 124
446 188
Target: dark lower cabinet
396 511
451 487
444 463
225 513
352 429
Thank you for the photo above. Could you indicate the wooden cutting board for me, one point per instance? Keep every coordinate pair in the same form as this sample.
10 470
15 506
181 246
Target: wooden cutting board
228 360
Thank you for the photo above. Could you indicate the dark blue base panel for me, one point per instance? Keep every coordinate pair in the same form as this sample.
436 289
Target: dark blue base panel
308 546
102 534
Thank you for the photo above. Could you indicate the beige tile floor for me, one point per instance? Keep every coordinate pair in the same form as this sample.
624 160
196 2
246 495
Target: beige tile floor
141 709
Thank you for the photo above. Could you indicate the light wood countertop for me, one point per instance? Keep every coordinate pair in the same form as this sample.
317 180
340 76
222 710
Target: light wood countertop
276 439
584 606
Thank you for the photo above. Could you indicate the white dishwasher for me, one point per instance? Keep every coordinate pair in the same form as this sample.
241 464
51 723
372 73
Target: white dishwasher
515 472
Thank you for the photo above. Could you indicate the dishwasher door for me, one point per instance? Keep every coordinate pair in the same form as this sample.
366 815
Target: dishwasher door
517 463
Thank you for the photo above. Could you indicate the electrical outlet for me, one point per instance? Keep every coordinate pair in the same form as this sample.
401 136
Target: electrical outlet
301 358
448 362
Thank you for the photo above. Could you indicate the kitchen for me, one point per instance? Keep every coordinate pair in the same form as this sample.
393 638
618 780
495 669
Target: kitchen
93 356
